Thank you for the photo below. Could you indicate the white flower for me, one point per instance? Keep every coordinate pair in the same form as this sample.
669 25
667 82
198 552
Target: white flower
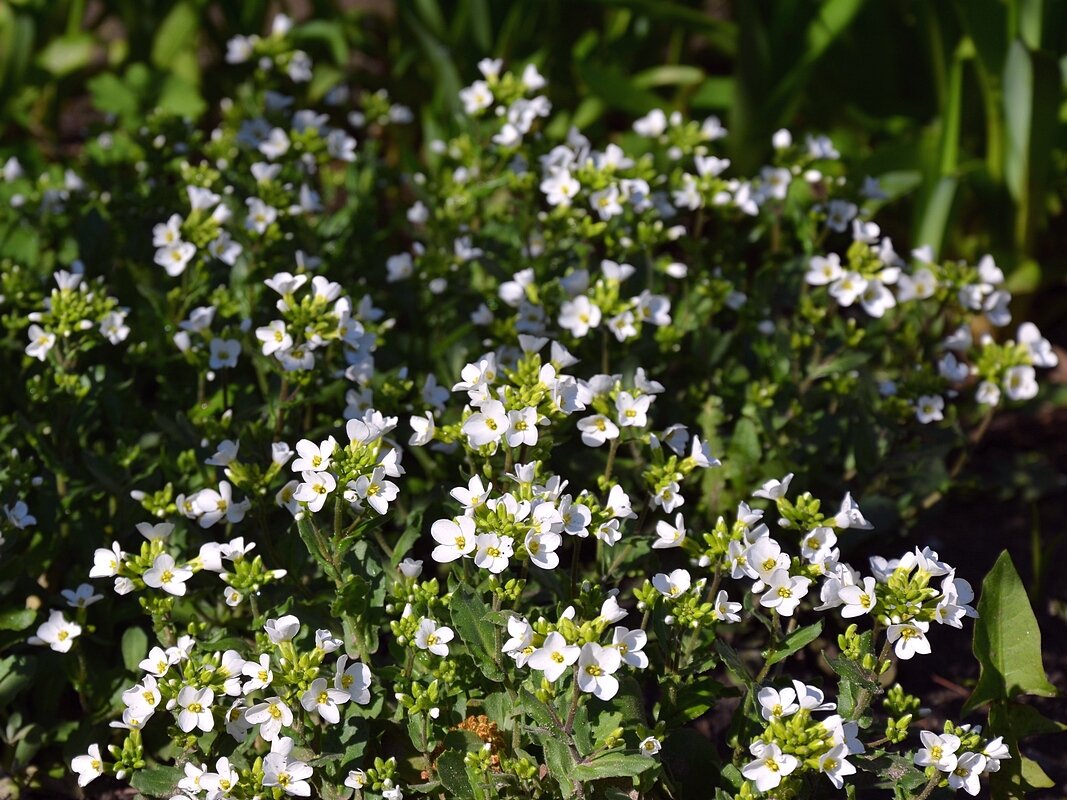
433 638
770 766
542 548
835 766
650 746
82 597
929 408
910 638
596 665
312 457
487 425
669 535
554 656
476 98
376 490
775 705
675 584
324 700
773 489
271 715
560 188
259 673
166 575
455 538
274 337
824 270
291 776
1020 383
157 662
220 782
1041 352
877 299
579 315
316 487
668 497
224 454
522 427
597 429
858 600
57 633
784 592
41 341
174 258
847 288
938 751
967 772
995 752
493 552
724 610
632 411
195 707
850 515
89 767
520 645
353 679
224 353
987 393
630 645
20 517
282 629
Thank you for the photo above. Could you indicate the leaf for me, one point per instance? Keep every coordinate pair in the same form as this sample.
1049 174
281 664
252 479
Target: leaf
469 616
1019 775
176 32
18 619
16 673
157 781
851 671
67 54
453 774
1007 640
688 756
613 765
134 647
696 699
733 663
795 641
306 528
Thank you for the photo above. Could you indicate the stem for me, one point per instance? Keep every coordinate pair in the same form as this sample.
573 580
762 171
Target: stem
929 788
575 697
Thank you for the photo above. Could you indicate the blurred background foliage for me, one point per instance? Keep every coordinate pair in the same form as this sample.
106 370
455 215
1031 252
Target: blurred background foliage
957 105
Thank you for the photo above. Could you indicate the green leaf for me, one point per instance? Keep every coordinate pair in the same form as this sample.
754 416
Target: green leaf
1007 641
613 765
134 647
18 619
67 54
733 663
16 673
795 641
177 32
469 614
1019 774
157 781
453 774
696 699
851 671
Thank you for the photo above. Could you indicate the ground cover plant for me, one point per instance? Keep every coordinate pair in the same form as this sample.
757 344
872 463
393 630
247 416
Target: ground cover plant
341 461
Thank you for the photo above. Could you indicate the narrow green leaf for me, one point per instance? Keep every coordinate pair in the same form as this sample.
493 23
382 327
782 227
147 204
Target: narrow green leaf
134 647
157 781
453 774
469 614
18 619
613 765
795 641
1007 640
